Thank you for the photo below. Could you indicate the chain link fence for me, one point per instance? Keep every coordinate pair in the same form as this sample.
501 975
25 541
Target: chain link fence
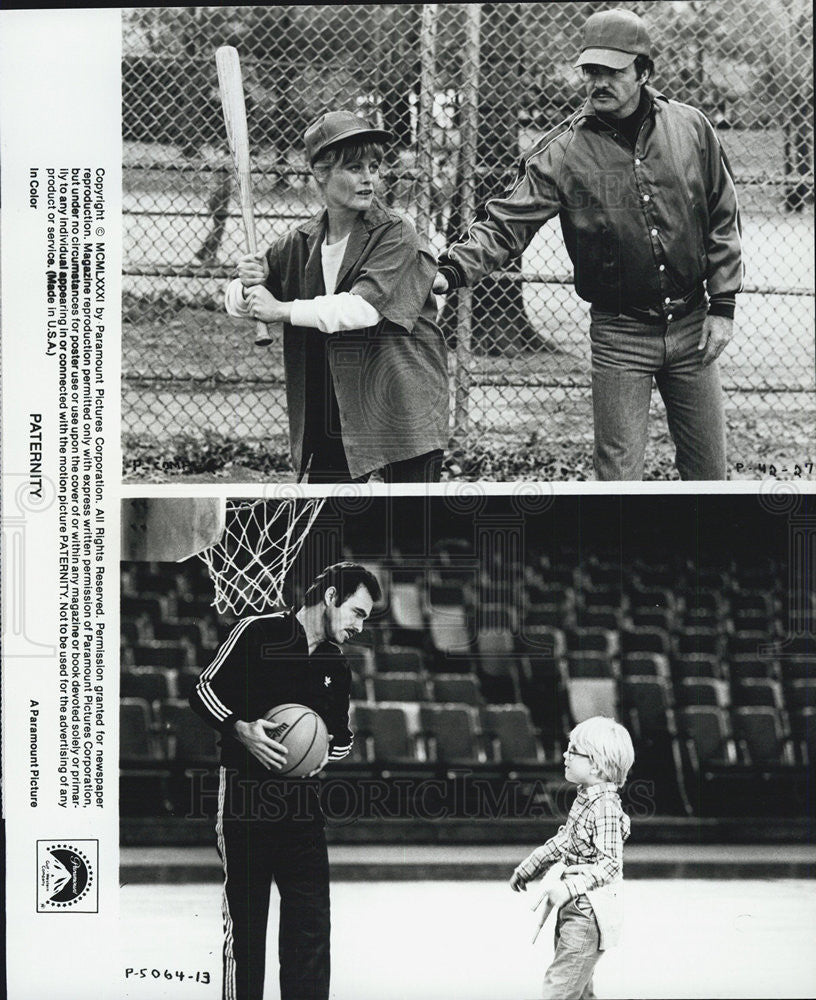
465 89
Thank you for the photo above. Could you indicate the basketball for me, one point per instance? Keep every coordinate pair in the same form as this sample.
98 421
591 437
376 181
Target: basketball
304 735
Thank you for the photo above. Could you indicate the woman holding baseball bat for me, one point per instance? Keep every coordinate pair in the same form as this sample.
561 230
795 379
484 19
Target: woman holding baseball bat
365 362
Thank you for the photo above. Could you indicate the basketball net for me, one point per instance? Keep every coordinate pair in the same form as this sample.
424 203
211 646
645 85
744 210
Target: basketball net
261 540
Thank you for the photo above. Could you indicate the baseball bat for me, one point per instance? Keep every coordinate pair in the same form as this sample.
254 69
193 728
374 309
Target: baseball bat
231 89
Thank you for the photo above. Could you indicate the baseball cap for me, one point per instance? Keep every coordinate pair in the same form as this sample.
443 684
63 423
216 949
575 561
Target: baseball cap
613 38
334 126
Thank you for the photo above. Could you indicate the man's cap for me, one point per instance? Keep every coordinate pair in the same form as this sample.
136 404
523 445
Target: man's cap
334 126
613 38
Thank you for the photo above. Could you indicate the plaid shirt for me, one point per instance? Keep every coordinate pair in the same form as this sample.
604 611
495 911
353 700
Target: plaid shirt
593 835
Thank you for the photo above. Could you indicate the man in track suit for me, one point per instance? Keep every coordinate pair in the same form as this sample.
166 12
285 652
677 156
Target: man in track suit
267 827
648 212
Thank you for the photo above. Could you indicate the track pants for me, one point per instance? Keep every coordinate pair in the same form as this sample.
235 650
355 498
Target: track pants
255 852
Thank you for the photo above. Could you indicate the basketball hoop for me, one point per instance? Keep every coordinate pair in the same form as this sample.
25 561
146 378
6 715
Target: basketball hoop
261 539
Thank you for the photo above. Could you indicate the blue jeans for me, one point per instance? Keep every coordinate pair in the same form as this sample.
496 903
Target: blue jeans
626 356
577 938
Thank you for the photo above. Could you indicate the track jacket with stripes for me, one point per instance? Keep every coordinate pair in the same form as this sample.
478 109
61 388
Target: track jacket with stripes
265 662
645 228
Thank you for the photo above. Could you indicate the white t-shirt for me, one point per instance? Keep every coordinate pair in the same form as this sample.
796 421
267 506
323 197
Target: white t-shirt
330 312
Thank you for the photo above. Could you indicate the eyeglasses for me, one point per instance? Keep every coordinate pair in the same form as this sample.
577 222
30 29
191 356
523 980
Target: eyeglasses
572 752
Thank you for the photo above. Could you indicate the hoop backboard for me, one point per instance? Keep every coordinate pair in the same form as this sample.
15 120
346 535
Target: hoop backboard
170 529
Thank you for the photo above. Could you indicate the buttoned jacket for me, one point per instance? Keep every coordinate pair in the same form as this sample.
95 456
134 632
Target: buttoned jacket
391 380
644 227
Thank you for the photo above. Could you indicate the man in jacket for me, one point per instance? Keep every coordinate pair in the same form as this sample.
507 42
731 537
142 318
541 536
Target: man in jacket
269 828
649 216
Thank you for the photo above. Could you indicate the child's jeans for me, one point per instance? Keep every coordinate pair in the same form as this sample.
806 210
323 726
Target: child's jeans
576 953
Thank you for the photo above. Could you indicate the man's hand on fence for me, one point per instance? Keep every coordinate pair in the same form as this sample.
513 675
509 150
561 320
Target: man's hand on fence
717 331
440 284
253 269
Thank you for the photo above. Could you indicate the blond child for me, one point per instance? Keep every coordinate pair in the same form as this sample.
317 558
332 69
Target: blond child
590 845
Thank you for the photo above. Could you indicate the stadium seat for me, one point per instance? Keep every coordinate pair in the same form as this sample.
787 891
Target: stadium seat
544 694
559 575
603 597
795 667
150 683
130 632
407 616
493 617
695 665
406 605
495 644
609 619
701 618
499 681
653 618
152 609
451 733
800 694
399 659
701 596
188 738
799 645
360 658
644 640
758 691
399 687
551 593
200 608
445 593
508 730
548 615
700 640
603 570
186 680
703 691
588 696
747 643
745 667
750 620
803 726
193 632
144 780
753 601
600 640
541 640
449 630
385 732
497 666
655 597
646 704
359 688
761 735
640 664
708 736
137 734
590 663
458 689
156 653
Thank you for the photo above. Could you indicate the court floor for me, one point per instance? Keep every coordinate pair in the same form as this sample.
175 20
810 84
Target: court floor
471 941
